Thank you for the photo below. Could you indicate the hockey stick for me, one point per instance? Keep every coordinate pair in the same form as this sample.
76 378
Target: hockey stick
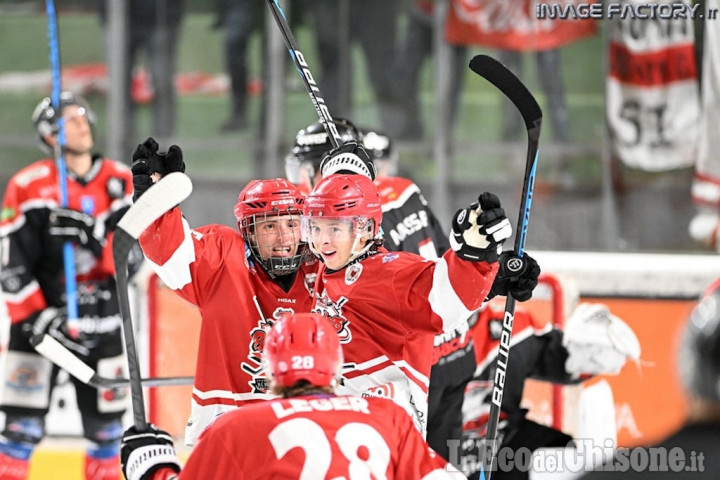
504 80
308 79
158 199
68 249
61 356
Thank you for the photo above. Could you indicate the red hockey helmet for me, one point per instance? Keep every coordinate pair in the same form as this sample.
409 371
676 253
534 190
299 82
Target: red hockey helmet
267 201
303 346
345 196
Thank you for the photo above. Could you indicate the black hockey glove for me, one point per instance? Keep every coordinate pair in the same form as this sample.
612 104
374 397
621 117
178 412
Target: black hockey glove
143 160
518 276
348 158
479 231
53 321
169 162
78 227
143 453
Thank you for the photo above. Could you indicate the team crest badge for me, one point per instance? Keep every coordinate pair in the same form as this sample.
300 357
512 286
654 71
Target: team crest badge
353 273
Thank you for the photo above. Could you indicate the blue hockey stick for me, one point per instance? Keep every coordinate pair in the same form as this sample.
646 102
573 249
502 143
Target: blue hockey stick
68 251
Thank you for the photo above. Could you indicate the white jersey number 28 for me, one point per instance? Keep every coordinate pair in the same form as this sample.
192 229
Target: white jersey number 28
308 435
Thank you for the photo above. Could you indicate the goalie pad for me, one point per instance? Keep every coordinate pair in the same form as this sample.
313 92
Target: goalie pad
598 342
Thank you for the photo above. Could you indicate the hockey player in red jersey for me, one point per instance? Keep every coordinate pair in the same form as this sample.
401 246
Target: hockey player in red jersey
408 224
33 229
387 306
594 341
308 433
240 280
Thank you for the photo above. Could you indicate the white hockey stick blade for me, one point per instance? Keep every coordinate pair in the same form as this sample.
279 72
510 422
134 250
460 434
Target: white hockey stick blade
54 351
57 353
158 199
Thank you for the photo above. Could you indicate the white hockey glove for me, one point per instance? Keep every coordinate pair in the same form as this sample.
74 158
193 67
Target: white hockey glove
348 158
598 342
479 231
143 453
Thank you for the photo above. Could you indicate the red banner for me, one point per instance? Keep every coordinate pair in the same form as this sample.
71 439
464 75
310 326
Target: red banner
512 25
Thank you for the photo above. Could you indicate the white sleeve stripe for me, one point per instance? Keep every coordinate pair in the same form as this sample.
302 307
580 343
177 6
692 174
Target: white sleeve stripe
227 394
402 199
175 273
443 299
24 293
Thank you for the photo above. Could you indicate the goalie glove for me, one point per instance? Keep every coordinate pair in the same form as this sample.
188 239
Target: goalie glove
479 231
144 453
517 276
597 341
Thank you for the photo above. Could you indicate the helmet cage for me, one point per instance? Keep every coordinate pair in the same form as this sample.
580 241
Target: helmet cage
273 265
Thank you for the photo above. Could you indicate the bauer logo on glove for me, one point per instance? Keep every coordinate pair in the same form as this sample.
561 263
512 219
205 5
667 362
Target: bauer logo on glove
479 231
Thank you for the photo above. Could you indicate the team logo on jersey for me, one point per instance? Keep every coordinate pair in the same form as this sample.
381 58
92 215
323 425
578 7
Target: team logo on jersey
352 273
253 365
310 280
386 390
116 187
333 311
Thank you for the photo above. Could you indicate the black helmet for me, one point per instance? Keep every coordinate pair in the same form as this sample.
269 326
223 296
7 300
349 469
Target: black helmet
380 147
312 142
44 116
699 353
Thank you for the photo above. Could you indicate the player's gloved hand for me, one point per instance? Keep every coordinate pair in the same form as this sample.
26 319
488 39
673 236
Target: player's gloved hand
78 227
143 159
348 158
143 453
517 276
53 321
169 162
479 231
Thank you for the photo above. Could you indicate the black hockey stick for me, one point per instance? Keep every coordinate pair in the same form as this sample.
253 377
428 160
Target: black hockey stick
504 80
308 79
61 356
158 199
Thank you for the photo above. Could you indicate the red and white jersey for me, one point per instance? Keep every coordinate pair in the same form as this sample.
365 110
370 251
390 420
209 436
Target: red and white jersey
32 259
387 309
318 437
212 268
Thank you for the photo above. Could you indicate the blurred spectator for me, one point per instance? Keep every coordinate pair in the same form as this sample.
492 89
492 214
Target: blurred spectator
373 24
698 441
152 28
239 18
413 51
550 77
